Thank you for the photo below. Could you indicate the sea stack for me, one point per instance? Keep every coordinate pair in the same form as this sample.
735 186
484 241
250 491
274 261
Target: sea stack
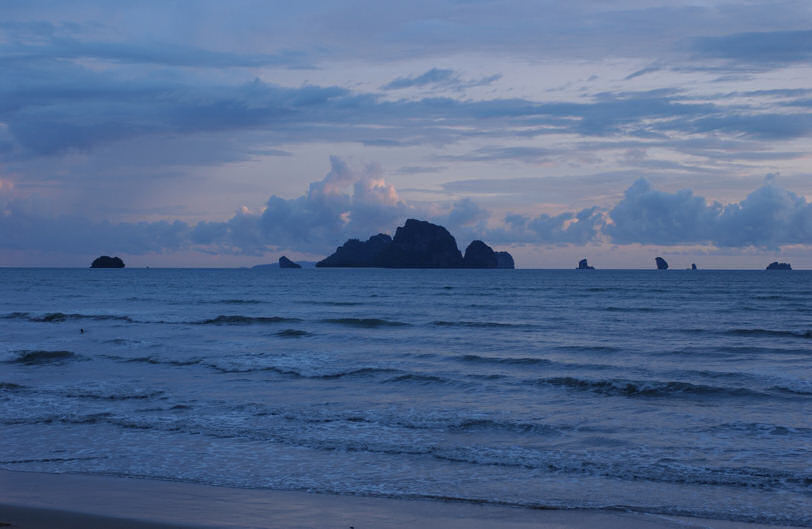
105 261
284 262
662 264
504 260
584 265
779 266
479 255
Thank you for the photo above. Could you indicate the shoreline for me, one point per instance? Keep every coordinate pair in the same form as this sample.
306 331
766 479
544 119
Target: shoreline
32 500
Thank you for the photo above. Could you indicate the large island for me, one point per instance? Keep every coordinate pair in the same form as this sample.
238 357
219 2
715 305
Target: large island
417 244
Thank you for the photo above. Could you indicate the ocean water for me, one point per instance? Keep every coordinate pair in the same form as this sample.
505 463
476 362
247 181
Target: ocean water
663 392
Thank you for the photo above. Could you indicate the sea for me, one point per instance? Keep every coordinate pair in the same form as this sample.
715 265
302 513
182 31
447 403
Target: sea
675 392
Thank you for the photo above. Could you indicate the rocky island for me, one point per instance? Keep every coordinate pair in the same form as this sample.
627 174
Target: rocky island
417 244
662 264
284 262
583 264
105 261
775 265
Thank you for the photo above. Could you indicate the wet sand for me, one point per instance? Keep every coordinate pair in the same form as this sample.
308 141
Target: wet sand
64 501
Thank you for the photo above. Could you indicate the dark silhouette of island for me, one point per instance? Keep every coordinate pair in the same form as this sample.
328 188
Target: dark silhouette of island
284 262
584 265
504 260
662 264
693 266
479 255
417 244
105 261
355 253
274 266
775 265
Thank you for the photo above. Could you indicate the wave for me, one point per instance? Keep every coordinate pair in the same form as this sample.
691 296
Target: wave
238 302
633 309
483 324
30 358
60 317
769 333
89 395
334 303
470 425
10 386
588 349
57 317
761 429
157 361
245 320
799 388
17 316
296 373
634 388
367 323
293 333
360 372
420 379
523 361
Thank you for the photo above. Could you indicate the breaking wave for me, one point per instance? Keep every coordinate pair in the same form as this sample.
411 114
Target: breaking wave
522 361
57 317
30 358
293 333
633 388
245 320
482 324
367 323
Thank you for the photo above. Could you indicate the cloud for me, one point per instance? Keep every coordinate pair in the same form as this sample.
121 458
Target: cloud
321 219
357 202
578 228
28 42
491 153
345 203
431 77
766 48
439 78
770 217
58 107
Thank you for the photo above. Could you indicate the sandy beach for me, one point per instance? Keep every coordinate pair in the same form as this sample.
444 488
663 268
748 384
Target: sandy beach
60 501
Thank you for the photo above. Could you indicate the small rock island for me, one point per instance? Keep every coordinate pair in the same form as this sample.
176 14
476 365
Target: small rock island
775 265
417 244
105 261
693 266
662 264
584 265
284 262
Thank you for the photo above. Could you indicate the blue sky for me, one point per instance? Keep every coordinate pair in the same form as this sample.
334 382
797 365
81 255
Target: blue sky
213 134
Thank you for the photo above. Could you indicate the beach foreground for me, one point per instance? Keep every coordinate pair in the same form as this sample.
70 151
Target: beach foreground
30 500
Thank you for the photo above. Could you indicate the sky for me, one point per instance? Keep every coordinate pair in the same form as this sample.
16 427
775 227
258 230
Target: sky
209 133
